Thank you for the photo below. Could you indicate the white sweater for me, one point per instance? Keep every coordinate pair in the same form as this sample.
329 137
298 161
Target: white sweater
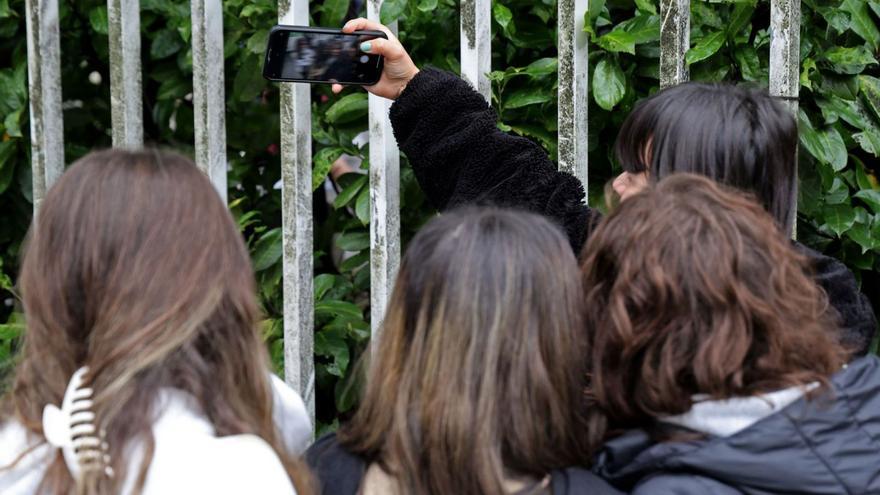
189 457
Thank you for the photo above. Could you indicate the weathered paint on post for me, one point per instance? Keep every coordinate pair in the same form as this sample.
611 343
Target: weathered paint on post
44 87
384 203
675 41
209 96
126 107
296 223
573 84
785 16
476 44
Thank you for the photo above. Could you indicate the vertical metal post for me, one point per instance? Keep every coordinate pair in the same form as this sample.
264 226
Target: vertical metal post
384 203
209 98
675 40
573 84
476 44
785 24
44 87
296 223
126 107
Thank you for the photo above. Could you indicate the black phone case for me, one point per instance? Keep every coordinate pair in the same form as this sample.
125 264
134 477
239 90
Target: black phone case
319 30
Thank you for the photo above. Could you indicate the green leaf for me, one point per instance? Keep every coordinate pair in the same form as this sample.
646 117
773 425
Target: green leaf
337 308
869 88
348 109
7 165
525 97
646 6
322 163
12 123
350 192
331 343
864 178
593 11
643 28
837 19
323 283
353 241
542 67
98 19
839 218
862 24
165 44
427 5
749 63
705 47
869 141
257 43
871 197
9 331
355 261
862 235
334 12
740 17
5 11
849 60
609 84
502 15
267 250
618 41
391 10
362 206
825 145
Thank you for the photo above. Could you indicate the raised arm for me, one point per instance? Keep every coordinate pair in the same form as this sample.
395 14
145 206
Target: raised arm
458 154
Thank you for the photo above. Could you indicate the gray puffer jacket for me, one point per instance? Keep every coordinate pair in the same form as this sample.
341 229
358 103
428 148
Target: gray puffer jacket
829 444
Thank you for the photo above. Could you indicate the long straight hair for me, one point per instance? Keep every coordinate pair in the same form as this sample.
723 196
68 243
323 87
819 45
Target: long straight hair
694 290
135 268
738 136
481 364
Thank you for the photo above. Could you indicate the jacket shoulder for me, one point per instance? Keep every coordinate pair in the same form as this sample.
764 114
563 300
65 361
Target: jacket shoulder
682 484
338 471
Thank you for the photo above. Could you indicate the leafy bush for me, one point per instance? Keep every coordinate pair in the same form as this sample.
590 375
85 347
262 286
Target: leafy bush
839 121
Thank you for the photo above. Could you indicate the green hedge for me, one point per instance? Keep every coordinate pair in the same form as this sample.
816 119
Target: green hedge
839 121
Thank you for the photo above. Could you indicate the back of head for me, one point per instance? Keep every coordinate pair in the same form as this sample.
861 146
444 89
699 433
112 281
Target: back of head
693 290
135 269
481 364
741 137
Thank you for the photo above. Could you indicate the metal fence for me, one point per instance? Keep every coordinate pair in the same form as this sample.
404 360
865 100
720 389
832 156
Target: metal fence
47 140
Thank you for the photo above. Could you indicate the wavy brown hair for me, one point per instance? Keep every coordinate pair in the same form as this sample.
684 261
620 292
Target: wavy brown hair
693 289
136 269
481 365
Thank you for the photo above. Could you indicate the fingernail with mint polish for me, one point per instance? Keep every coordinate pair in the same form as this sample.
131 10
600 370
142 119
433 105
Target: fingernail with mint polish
366 46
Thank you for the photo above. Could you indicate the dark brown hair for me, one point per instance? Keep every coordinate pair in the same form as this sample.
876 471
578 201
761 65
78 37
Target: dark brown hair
692 289
481 364
736 135
136 269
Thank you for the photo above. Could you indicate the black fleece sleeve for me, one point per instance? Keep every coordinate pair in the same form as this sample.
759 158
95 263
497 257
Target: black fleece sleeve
857 321
459 156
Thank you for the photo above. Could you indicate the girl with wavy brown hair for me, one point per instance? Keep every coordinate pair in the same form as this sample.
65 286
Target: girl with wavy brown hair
477 385
143 369
713 367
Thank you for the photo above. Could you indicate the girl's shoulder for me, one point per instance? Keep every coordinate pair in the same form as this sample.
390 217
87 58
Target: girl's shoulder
23 459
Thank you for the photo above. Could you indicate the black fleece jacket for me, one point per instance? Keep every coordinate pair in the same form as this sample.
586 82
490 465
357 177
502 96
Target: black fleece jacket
459 156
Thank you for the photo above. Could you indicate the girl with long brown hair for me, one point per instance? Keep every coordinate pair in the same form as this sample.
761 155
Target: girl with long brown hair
715 365
142 369
477 385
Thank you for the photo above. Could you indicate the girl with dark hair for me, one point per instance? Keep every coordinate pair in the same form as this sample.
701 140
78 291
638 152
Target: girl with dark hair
143 370
477 386
711 351
739 137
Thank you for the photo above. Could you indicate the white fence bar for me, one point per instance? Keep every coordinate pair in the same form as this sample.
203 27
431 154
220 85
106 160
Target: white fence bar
209 97
44 87
675 40
384 203
785 20
126 107
476 44
296 223
573 84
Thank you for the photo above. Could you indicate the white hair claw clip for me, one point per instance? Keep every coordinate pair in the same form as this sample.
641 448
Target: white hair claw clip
72 429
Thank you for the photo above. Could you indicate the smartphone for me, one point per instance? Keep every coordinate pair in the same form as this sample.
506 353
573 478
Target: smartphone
321 55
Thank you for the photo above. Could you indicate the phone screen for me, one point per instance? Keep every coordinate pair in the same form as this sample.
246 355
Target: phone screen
321 55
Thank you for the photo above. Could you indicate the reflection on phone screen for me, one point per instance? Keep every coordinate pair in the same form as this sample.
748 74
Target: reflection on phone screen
325 57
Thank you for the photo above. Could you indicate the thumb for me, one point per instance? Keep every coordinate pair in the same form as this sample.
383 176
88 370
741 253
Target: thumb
390 49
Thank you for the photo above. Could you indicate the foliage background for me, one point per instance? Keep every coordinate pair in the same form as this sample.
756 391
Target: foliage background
839 209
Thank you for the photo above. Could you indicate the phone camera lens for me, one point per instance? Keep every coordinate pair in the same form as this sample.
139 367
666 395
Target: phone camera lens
364 59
